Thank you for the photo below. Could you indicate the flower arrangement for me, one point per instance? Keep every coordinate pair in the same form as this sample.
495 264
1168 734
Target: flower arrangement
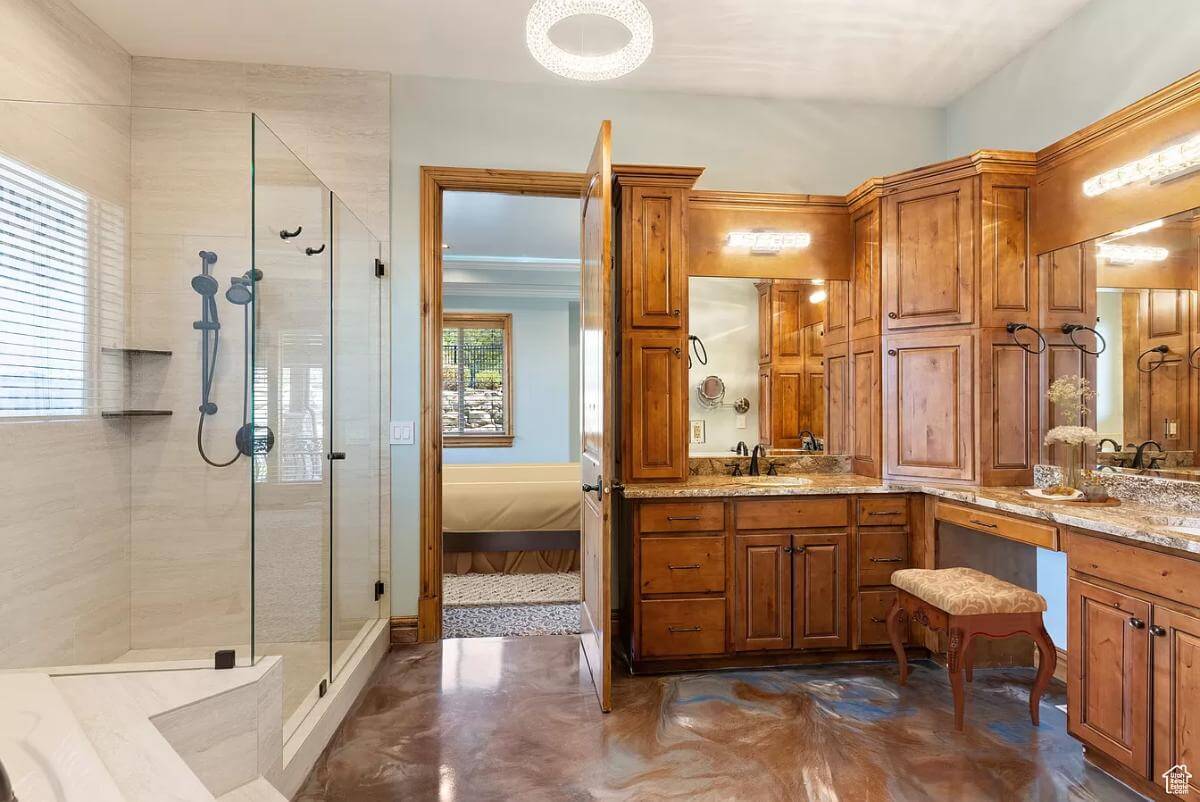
1070 396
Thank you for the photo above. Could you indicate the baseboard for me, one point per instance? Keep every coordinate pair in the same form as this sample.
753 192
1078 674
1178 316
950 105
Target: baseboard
403 630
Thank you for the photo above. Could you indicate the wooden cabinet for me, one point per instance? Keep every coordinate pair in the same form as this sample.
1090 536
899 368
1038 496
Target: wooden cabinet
1061 358
1007 430
1008 273
837 313
1108 703
1176 690
762 588
866 407
764 405
866 279
1067 279
930 405
820 593
765 324
655 403
929 255
791 364
837 399
655 273
1164 394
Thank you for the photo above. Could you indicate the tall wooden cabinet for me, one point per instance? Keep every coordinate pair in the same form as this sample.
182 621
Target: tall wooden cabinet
651 210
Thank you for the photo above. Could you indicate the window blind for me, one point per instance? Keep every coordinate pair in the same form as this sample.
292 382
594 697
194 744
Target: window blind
45 348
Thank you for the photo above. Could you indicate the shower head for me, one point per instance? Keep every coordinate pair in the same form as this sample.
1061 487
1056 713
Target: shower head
205 284
239 292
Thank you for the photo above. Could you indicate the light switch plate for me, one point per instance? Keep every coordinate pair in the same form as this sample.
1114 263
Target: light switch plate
740 422
403 433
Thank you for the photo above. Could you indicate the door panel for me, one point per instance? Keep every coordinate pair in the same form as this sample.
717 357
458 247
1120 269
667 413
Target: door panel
1007 271
820 593
1061 358
837 399
764 322
1067 278
929 255
864 293
762 586
866 404
1108 693
1008 422
837 313
656 258
654 379
1176 693
930 395
764 405
596 321
787 406
787 315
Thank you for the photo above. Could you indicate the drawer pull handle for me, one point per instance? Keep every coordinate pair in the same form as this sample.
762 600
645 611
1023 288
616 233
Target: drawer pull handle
683 517
983 523
683 629
885 512
683 567
887 559
1137 623
877 620
1157 631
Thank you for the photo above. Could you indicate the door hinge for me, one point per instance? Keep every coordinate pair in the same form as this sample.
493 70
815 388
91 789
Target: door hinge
379 269
379 588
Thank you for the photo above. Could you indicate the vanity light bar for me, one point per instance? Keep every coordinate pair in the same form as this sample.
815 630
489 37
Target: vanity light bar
1159 166
768 241
817 297
1128 254
1129 232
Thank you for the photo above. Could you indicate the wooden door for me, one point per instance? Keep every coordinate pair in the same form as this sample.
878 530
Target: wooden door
1176 644
1108 690
814 340
820 591
787 405
597 402
929 394
814 396
655 272
788 310
865 291
929 255
1067 281
654 376
837 313
1007 272
866 407
762 587
1008 421
837 399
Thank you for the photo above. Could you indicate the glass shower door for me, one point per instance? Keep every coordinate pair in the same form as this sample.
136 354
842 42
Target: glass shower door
355 433
291 398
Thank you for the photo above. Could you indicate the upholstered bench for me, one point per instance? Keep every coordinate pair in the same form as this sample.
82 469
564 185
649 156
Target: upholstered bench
965 603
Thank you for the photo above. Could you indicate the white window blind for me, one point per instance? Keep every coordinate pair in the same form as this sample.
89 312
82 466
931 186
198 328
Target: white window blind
45 348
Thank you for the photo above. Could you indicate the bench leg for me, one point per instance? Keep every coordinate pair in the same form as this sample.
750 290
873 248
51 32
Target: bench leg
954 668
1047 662
897 618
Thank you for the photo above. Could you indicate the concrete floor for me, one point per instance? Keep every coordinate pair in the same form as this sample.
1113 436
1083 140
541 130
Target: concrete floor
516 719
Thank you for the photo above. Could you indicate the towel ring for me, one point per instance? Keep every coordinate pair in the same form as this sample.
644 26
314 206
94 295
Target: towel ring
1161 350
1069 329
1013 328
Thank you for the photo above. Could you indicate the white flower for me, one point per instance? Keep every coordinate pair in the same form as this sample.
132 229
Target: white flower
1072 435
1070 396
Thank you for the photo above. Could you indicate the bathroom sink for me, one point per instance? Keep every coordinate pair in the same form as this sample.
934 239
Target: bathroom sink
775 481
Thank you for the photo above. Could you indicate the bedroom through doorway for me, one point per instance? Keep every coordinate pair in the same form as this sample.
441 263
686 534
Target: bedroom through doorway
510 410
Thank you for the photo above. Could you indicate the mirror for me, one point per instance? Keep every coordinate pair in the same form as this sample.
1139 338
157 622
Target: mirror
1148 329
756 365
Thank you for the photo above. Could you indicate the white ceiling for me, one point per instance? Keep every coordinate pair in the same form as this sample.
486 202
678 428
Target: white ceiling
920 52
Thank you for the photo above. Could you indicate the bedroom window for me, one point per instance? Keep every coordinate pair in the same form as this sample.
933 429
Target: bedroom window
476 388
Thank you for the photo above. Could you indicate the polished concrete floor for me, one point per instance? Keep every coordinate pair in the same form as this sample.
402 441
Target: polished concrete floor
516 719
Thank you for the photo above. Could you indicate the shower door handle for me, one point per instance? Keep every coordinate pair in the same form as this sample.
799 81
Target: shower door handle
332 455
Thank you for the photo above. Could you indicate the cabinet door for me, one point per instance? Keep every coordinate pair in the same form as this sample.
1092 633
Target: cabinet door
788 309
762 587
1165 393
929 393
866 405
837 313
1008 273
820 591
814 340
764 322
656 276
1008 420
787 406
1067 278
1062 358
929 256
1108 686
1176 639
655 406
814 397
764 405
837 399
865 260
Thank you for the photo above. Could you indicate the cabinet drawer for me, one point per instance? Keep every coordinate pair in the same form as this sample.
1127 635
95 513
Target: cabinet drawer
682 516
1043 535
880 552
791 513
674 627
1165 575
683 565
883 511
873 607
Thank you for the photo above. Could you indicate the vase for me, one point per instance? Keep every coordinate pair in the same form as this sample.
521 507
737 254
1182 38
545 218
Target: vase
1073 472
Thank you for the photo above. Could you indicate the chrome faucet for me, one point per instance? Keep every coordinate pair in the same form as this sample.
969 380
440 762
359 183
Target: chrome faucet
1139 456
6 789
759 450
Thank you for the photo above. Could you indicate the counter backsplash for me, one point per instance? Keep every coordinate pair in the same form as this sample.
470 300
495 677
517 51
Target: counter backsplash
785 465
1152 490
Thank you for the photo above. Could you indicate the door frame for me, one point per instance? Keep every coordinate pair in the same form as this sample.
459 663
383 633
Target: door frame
435 181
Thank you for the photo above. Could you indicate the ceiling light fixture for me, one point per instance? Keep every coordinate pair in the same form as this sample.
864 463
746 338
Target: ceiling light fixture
632 14
1130 254
1167 163
768 241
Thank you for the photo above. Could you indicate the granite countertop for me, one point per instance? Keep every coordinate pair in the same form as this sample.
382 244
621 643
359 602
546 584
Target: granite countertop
1131 521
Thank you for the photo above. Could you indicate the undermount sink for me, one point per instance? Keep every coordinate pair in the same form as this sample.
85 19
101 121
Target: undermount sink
775 481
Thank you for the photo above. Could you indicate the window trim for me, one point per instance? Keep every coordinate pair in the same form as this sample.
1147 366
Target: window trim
485 320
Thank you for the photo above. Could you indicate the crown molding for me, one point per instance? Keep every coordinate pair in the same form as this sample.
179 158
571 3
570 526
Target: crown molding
532 264
467 289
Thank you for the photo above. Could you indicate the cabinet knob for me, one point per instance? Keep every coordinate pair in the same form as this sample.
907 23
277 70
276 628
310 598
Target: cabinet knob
891 352
893 315
676 351
674 313
1137 623
1157 631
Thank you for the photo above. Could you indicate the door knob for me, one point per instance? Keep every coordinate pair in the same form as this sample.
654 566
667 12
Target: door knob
597 488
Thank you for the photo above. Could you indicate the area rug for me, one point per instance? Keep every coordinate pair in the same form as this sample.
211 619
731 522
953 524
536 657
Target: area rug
508 620
479 590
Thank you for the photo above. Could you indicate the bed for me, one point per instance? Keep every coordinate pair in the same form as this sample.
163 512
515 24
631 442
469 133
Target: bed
510 518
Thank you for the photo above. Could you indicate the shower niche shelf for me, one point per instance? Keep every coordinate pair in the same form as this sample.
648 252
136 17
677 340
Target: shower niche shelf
136 413
131 351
